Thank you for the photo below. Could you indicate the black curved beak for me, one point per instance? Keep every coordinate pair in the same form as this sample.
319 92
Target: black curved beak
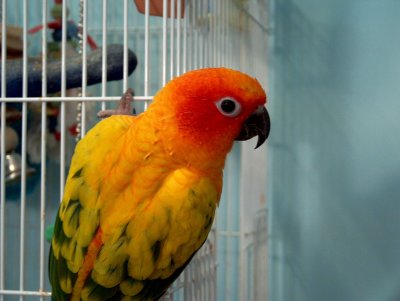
258 124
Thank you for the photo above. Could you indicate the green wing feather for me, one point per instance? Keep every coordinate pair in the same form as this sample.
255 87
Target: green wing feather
78 218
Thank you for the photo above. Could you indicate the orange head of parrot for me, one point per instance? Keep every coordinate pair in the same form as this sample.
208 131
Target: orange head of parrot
211 108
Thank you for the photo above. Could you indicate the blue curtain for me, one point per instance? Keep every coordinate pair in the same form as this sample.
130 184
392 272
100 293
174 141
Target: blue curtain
334 193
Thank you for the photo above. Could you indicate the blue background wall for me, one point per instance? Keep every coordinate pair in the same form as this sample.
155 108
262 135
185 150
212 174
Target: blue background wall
334 190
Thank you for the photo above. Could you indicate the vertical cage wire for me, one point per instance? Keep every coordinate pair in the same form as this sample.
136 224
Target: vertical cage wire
104 54
185 41
83 49
63 96
125 26
179 38
164 43
2 143
23 150
172 39
146 50
2 204
43 165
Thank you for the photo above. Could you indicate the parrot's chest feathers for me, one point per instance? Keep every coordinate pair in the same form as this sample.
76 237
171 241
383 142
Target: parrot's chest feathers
162 235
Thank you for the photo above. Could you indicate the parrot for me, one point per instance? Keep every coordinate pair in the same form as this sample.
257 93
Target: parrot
142 190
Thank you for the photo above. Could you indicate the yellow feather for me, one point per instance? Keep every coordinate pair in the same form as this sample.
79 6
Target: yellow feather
66 284
131 287
88 223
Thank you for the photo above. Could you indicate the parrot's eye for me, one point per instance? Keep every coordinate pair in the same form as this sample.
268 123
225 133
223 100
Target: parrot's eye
228 107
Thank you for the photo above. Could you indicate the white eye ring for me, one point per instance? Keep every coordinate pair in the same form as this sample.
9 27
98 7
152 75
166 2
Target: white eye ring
229 106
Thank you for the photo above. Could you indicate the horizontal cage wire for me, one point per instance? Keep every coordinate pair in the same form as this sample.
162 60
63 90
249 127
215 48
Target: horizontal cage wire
50 111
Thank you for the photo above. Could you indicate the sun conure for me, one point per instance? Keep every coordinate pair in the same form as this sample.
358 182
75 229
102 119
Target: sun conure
142 190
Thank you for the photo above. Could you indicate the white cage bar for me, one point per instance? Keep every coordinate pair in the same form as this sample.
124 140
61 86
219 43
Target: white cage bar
2 143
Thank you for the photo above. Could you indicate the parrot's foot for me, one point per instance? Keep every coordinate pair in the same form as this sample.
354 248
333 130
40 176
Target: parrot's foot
124 106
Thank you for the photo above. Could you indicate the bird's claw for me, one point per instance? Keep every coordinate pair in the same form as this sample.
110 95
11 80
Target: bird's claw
124 106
